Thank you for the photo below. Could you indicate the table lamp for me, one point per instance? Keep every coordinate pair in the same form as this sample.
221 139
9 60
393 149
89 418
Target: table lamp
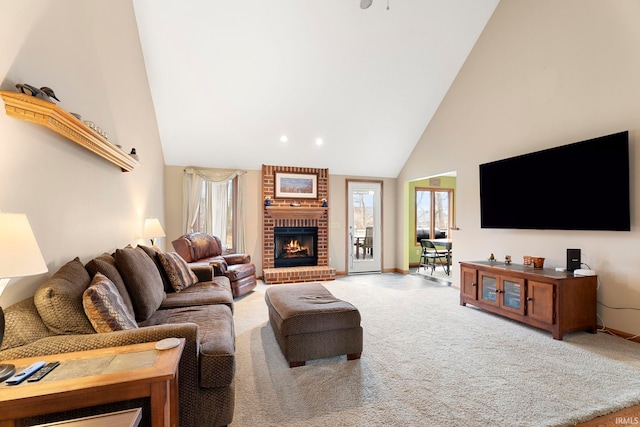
19 256
152 229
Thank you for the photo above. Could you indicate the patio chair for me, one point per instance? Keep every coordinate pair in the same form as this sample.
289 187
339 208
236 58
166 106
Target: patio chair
367 244
431 255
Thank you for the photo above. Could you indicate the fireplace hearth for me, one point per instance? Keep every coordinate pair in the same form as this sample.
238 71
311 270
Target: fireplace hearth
295 246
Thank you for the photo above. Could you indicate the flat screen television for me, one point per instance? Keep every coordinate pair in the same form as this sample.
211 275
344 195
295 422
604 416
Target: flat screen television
579 186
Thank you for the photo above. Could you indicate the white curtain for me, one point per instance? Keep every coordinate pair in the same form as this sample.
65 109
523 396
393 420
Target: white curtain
215 183
217 200
240 245
191 194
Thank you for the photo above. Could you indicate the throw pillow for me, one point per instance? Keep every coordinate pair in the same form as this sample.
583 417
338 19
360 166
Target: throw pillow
177 270
153 252
106 265
59 300
143 281
105 308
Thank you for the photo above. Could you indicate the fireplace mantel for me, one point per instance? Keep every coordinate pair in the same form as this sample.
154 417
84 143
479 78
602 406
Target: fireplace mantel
295 212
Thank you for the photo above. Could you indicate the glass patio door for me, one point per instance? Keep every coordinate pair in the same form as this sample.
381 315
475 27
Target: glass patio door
364 237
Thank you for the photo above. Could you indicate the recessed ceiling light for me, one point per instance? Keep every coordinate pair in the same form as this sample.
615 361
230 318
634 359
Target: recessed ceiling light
319 141
284 138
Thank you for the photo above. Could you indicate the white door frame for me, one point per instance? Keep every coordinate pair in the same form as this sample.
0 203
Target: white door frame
374 262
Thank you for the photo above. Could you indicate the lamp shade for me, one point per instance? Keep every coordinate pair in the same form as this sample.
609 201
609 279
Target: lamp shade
19 251
152 228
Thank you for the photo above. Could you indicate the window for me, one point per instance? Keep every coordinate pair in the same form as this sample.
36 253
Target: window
212 204
433 206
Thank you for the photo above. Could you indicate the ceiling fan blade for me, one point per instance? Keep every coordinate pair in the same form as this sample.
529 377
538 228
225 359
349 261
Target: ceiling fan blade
365 3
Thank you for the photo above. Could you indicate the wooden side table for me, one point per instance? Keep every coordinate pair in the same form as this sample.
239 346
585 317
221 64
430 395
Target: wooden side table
95 377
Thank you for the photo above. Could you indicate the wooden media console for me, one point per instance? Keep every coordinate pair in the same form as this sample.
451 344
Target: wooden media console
556 301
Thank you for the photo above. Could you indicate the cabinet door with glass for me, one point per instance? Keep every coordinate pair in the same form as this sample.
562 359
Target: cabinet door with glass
512 294
488 288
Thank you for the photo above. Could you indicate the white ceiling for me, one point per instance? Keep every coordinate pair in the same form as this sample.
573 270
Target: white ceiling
228 78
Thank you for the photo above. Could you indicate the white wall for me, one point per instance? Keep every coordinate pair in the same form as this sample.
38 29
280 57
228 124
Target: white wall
543 73
78 204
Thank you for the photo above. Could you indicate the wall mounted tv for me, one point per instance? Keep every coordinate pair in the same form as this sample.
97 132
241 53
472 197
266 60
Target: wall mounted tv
580 186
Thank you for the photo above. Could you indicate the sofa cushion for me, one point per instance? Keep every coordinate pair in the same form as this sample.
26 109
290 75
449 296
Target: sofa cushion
104 306
22 325
59 300
177 270
217 339
143 281
106 265
216 291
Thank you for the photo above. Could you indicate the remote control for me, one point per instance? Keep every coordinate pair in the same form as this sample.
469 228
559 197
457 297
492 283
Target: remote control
25 373
42 372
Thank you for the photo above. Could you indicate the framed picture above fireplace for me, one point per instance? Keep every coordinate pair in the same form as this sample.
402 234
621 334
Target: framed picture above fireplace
296 185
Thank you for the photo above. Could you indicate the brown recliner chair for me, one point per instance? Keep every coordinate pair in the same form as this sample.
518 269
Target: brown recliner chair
205 249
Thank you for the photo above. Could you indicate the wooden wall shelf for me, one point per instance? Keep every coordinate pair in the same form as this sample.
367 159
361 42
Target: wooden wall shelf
293 212
48 114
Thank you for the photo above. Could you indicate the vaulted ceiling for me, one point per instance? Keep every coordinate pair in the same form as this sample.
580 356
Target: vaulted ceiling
230 78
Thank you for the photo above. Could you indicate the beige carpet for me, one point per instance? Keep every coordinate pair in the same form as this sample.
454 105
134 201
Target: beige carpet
428 361
437 275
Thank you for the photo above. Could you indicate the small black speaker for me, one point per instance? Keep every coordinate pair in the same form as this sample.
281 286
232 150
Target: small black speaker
573 259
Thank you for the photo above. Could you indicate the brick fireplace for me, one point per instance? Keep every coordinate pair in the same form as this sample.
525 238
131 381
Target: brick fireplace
306 213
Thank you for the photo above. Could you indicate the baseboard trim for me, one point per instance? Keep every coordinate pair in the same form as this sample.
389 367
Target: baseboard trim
621 334
384 270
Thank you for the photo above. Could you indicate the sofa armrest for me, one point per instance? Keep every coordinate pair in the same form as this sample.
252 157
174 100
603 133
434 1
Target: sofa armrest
69 343
203 272
219 265
232 259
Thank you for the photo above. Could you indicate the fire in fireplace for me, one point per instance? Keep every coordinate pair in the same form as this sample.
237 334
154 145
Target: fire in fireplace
295 246
293 249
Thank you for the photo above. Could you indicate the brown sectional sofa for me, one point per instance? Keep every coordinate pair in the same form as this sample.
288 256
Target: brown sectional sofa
54 321
201 249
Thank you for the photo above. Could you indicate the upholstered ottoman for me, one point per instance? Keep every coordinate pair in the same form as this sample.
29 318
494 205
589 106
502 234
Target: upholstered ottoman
310 323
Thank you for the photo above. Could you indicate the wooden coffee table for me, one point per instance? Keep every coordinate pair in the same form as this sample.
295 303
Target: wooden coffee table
95 377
